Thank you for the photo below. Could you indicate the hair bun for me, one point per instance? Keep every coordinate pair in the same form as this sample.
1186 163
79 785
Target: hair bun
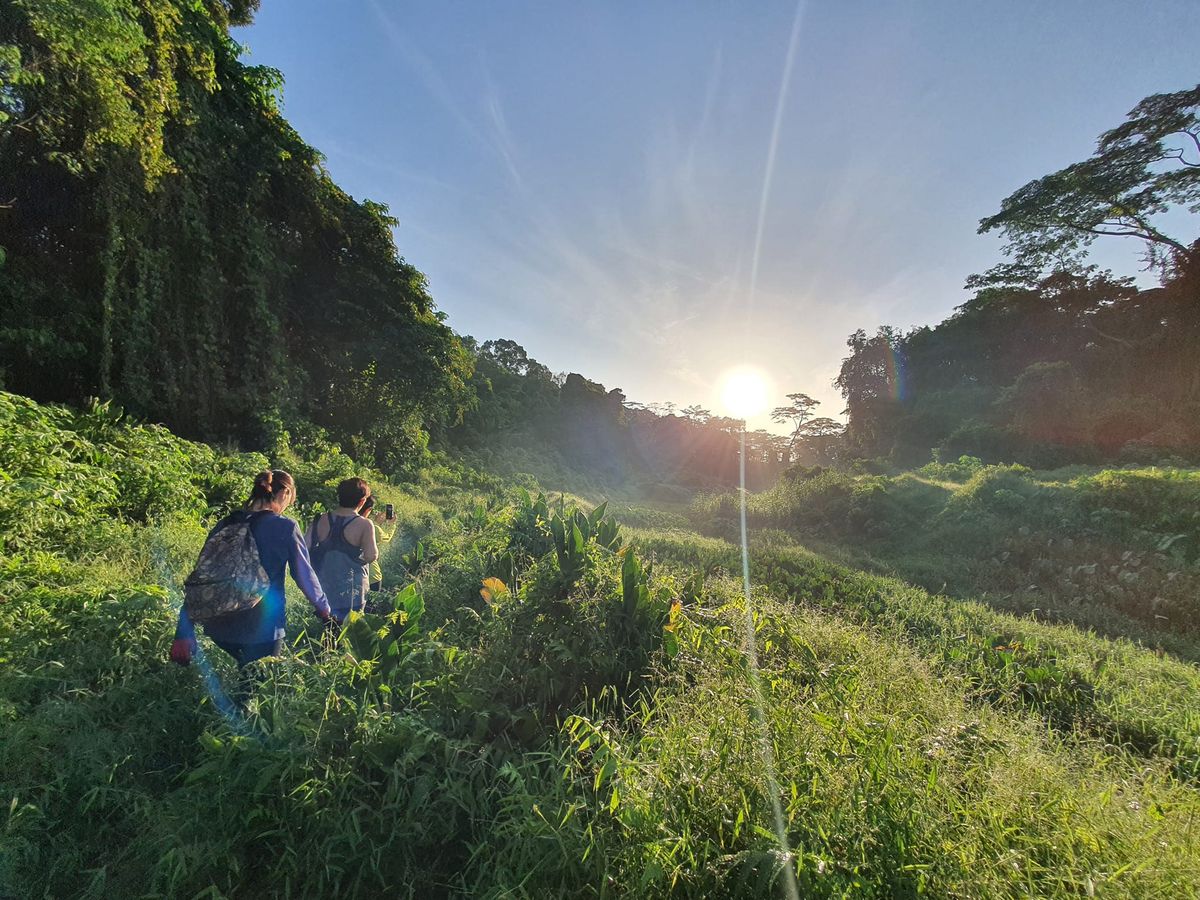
271 485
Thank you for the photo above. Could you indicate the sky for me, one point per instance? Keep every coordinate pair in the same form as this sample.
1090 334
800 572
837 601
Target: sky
591 179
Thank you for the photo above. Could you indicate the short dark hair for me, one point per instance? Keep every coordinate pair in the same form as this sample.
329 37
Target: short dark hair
352 492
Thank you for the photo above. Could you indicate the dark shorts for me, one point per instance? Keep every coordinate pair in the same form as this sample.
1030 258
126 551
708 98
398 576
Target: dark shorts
244 654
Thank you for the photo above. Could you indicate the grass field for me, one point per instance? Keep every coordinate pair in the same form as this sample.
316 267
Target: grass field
597 725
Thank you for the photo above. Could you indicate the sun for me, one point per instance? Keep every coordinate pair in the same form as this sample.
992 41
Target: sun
744 392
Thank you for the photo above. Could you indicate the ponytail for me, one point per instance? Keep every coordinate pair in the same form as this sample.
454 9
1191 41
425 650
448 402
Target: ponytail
270 484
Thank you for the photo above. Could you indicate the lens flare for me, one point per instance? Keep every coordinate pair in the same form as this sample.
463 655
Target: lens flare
744 392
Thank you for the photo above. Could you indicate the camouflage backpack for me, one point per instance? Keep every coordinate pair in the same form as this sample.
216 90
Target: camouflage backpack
229 576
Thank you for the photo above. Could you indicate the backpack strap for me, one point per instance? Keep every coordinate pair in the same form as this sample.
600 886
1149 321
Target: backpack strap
337 529
337 537
316 532
252 519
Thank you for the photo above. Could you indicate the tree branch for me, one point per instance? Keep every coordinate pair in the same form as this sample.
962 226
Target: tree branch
1195 136
1148 234
1178 156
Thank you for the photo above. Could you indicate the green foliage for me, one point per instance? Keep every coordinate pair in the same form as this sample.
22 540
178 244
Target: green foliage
414 559
58 468
594 735
165 218
386 640
1141 168
1138 699
881 770
964 468
1113 550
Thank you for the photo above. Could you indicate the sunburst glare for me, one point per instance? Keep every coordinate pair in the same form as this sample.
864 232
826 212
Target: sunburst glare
745 392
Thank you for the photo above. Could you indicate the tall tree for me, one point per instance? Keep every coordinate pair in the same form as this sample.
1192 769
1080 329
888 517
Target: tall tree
870 380
796 413
1140 169
1144 167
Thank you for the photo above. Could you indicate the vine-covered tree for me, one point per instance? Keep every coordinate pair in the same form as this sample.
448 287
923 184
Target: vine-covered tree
172 243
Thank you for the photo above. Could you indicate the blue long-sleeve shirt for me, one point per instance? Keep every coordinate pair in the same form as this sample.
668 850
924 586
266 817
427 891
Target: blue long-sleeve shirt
280 546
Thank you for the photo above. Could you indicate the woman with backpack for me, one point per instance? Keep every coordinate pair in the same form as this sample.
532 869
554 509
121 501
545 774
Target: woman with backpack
342 546
236 592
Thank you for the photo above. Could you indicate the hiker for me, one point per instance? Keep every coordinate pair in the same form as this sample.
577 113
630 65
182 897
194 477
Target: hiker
342 545
375 573
236 592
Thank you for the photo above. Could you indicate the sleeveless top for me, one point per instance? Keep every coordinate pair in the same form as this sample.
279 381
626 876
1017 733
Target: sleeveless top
340 569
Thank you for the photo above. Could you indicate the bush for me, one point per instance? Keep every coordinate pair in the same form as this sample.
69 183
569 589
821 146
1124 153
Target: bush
963 469
59 468
997 445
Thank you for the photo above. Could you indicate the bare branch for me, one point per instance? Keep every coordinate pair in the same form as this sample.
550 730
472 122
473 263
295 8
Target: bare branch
1178 156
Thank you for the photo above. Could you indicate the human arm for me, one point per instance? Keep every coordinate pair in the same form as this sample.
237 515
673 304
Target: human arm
370 549
384 535
305 577
184 644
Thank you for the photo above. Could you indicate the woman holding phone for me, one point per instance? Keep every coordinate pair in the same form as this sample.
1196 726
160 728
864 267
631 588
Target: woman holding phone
375 573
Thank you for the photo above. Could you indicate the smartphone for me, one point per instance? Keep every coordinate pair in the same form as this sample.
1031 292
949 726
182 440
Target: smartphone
389 512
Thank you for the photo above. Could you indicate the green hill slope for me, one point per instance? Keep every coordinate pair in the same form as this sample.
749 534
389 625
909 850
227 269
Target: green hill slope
592 727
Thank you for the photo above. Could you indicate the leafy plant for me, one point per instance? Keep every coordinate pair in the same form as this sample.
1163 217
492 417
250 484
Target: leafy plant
387 639
415 559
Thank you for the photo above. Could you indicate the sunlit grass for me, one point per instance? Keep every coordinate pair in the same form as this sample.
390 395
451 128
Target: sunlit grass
589 729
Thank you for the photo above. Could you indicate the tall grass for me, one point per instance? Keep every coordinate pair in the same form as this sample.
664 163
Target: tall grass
1138 700
548 706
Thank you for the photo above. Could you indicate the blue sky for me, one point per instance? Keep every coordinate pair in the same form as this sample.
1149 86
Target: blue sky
586 178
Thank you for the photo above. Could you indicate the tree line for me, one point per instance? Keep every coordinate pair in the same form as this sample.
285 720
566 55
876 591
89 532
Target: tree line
170 243
524 413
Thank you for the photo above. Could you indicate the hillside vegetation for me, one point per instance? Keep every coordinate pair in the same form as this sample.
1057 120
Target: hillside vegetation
1115 550
593 726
